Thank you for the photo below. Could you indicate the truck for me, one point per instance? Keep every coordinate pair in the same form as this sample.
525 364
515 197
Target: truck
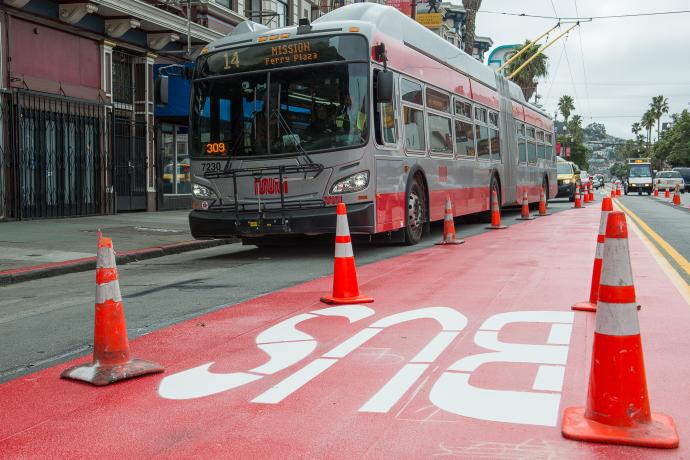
640 175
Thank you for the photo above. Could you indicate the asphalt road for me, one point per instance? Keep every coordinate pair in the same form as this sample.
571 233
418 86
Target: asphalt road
670 223
48 321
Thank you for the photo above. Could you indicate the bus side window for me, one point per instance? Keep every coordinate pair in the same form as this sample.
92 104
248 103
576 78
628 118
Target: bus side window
386 123
522 144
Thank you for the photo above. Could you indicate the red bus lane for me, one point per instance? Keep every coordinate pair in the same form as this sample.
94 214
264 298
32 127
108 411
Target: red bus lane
467 351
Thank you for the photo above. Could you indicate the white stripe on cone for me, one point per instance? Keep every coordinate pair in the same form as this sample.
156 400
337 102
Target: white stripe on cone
105 258
341 226
599 253
617 319
108 291
343 250
616 270
602 222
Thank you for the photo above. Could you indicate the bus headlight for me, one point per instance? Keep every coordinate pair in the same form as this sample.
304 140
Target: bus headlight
202 193
354 183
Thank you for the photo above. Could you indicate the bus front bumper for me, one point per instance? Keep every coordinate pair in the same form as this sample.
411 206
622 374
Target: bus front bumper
224 224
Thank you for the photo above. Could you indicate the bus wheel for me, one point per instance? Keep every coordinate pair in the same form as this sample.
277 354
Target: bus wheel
416 213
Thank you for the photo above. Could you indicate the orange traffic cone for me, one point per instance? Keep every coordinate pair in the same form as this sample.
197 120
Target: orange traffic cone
613 191
112 360
345 287
606 208
618 410
578 203
591 193
676 196
495 213
524 213
542 205
619 189
449 226
667 193
656 191
585 192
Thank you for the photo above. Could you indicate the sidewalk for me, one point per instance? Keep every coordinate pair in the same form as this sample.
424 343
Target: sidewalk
42 248
469 351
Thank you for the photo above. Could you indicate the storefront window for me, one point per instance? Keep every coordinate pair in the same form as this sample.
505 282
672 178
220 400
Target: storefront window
176 171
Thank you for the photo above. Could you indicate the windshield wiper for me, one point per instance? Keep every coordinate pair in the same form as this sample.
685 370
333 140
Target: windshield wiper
293 137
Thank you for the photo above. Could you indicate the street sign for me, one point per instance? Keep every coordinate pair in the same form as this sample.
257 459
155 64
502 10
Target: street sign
431 20
404 6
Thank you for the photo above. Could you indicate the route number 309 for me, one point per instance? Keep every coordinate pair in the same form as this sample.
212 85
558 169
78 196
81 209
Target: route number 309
215 148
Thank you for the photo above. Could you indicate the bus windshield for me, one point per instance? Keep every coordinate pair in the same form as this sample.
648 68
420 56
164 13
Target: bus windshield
282 112
303 95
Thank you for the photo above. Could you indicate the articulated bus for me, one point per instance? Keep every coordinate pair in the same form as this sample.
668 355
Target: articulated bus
363 106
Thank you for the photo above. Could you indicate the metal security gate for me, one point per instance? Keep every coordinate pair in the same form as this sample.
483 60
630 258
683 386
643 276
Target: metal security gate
54 154
129 163
129 137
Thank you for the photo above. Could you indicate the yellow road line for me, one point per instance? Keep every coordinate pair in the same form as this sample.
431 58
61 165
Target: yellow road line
680 284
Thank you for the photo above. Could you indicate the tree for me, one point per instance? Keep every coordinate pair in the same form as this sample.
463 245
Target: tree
636 129
566 105
659 107
537 68
471 7
575 129
595 131
674 146
618 169
648 120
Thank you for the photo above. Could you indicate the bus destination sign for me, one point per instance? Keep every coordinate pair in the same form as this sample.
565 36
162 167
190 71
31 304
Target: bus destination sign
282 54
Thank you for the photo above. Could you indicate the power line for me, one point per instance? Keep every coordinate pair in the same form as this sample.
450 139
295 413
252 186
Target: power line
582 56
558 65
570 70
590 18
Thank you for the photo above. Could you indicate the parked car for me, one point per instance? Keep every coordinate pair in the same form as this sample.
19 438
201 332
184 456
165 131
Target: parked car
668 180
568 177
598 181
585 179
685 172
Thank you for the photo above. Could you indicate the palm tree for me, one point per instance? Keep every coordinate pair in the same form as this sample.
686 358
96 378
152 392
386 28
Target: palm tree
636 129
575 128
535 69
659 107
648 120
471 7
566 105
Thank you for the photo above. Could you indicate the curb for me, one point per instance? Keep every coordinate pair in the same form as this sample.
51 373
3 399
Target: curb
19 275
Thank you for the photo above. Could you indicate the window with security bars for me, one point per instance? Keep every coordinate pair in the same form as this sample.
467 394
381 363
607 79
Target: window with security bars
123 78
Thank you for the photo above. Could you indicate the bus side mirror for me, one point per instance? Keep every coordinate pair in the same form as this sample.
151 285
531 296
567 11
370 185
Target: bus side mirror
384 87
161 90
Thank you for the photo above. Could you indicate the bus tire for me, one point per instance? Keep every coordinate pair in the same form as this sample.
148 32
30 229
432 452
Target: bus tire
494 185
415 217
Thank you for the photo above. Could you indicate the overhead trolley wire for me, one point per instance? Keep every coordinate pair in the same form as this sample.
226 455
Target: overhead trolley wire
584 69
589 18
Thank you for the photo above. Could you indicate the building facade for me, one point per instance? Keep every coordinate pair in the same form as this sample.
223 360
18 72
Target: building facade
81 134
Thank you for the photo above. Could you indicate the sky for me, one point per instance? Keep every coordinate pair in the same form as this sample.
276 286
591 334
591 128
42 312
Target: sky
611 67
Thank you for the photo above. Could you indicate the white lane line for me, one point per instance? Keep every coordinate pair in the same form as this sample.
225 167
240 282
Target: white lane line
435 347
549 378
560 334
394 389
346 347
283 389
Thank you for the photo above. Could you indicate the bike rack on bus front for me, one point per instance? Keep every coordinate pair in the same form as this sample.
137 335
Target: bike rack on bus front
263 223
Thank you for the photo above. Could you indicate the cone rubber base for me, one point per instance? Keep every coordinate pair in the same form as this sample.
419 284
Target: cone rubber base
542 215
525 218
347 300
441 243
498 227
584 306
660 433
104 375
